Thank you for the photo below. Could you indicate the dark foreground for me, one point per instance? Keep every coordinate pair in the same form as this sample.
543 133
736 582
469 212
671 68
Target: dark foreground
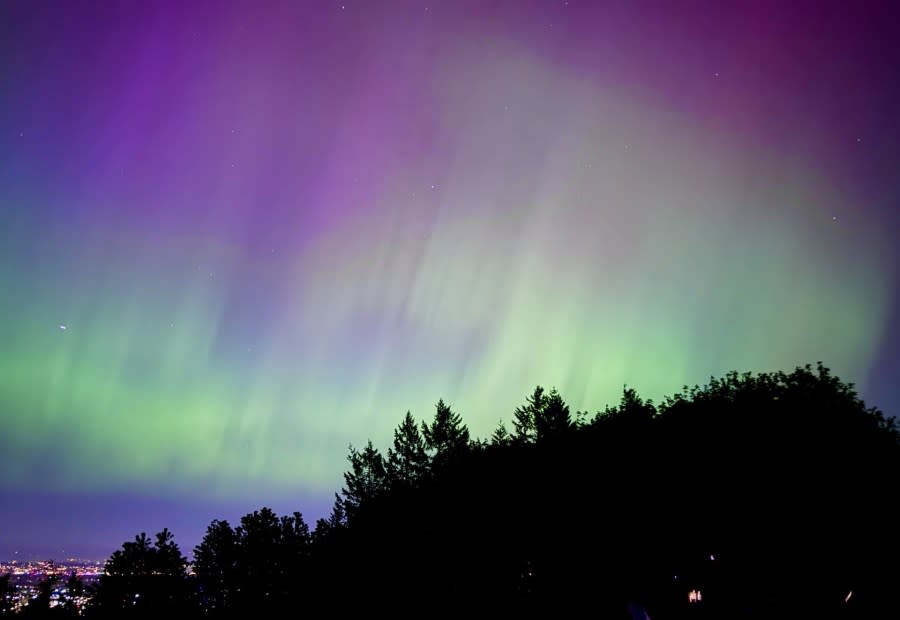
756 496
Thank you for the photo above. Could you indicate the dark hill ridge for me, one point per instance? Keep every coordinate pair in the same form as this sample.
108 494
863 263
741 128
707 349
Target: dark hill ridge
756 496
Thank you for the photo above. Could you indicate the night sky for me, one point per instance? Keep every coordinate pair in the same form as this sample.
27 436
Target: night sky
237 239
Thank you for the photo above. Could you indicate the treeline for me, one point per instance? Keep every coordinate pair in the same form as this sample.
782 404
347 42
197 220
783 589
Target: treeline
757 495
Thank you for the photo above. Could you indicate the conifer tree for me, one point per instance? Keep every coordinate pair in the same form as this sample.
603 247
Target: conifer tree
525 416
447 436
366 479
407 460
500 436
552 418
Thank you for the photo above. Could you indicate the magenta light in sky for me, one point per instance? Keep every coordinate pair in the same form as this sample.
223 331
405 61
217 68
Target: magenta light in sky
238 238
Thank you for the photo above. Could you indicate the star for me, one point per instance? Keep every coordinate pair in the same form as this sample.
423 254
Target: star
859 139
63 327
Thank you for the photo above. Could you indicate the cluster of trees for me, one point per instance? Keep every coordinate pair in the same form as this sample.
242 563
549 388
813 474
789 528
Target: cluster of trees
66 607
769 493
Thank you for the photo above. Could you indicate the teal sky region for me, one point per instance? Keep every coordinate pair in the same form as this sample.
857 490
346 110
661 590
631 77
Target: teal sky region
237 239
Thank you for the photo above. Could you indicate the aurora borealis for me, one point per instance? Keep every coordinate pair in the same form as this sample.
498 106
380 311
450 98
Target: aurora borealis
237 239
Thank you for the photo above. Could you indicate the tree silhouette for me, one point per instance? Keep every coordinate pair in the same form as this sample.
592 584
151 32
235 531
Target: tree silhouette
74 593
407 461
64 606
327 528
500 436
366 479
447 436
632 409
7 591
646 504
142 580
551 417
216 568
272 554
524 417
39 605
257 567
